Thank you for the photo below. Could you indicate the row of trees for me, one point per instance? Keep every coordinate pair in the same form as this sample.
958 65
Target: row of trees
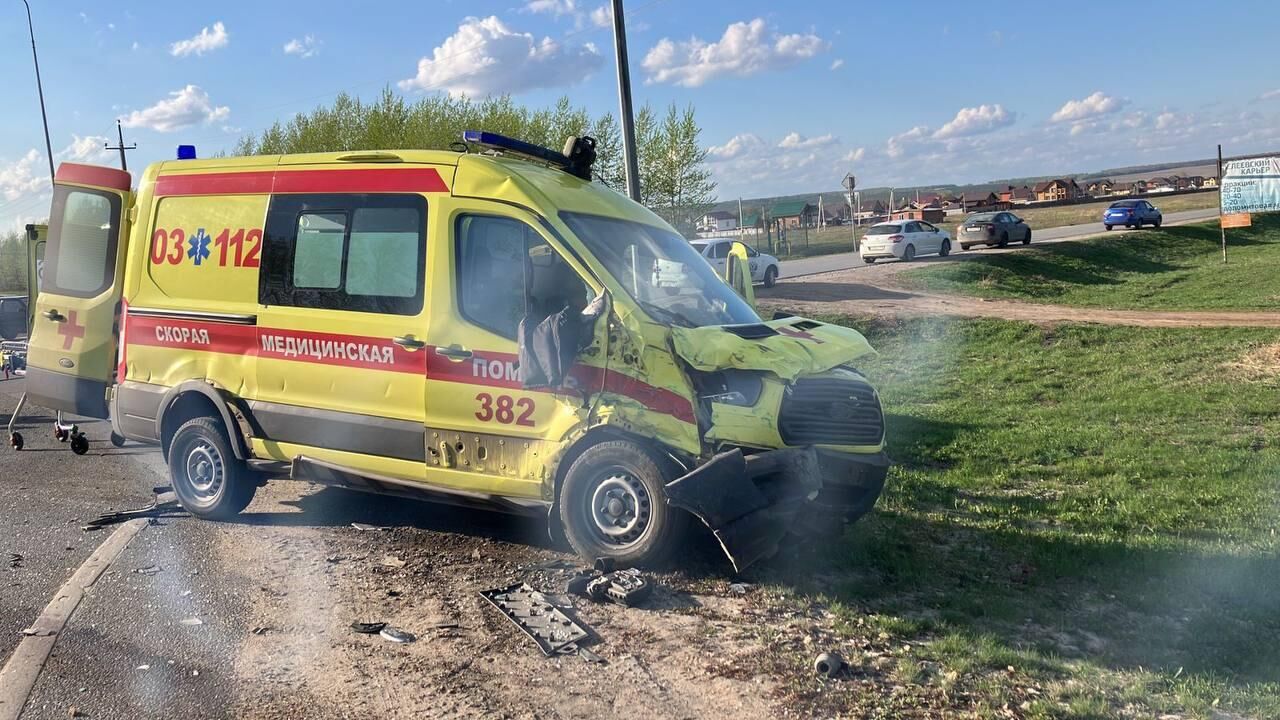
13 263
675 182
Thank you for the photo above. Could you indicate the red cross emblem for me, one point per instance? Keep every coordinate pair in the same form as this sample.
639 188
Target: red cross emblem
70 330
798 334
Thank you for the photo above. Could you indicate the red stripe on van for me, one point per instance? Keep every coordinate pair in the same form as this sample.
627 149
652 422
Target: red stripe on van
483 369
354 180
95 175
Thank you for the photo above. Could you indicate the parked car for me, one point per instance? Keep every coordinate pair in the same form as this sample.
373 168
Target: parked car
764 267
13 316
993 228
1132 213
904 239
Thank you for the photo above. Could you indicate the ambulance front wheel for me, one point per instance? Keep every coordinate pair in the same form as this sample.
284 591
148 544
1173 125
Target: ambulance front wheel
207 478
612 505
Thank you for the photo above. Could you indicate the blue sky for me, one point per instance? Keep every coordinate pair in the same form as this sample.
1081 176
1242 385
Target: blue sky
790 96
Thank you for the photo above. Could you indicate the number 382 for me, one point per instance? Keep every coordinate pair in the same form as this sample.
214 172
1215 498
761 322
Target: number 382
505 409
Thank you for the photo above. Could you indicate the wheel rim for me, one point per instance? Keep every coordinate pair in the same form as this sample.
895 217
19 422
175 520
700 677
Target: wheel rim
205 471
620 509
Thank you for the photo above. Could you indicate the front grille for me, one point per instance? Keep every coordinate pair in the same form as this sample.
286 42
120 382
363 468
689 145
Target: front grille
831 411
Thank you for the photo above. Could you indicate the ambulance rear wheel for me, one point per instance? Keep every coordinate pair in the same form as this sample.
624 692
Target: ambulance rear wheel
207 478
613 505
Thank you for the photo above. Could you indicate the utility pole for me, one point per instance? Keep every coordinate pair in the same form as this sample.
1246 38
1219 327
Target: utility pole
48 146
624 101
121 147
1220 225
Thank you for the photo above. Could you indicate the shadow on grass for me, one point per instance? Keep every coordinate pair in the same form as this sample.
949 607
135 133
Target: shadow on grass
830 292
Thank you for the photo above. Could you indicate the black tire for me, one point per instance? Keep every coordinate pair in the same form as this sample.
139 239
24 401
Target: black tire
117 440
771 276
79 444
909 253
1108 227
965 247
201 446
1027 240
1004 240
945 249
869 261
644 529
1156 224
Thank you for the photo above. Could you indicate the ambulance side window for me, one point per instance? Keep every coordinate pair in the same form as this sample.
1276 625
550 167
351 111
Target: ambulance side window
360 253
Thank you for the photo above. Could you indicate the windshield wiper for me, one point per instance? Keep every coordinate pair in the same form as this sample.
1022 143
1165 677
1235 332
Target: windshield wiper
671 317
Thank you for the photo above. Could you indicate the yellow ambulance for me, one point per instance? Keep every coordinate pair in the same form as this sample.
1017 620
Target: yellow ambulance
483 326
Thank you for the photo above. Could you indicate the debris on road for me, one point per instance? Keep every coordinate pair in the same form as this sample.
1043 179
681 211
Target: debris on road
624 587
368 628
366 526
391 561
15 560
149 570
547 625
192 621
144 667
260 630
739 588
397 635
156 509
589 656
74 712
828 664
37 632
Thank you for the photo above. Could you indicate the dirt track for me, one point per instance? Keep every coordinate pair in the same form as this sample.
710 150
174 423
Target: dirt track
875 291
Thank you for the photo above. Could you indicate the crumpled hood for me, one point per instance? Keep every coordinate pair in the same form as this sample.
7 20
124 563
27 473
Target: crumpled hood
800 347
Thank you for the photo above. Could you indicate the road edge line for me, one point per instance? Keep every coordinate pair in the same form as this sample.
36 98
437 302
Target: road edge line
19 675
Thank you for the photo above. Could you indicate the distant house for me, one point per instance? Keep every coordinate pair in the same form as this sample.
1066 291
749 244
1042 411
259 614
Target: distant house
1058 189
1017 196
1162 185
871 209
927 214
983 201
794 214
1137 187
751 220
1101 188
1194 182
1209 181
718 221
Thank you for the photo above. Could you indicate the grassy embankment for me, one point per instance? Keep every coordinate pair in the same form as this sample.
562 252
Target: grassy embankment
1168 269
1082 523
839 239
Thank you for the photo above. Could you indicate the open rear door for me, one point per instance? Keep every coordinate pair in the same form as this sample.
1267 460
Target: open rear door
737 272
71 358
37 235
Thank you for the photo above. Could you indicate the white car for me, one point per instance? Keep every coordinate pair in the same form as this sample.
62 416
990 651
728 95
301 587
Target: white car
904 239
764 268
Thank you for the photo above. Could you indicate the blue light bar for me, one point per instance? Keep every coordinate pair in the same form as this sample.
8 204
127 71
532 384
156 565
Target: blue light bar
502 142
186 152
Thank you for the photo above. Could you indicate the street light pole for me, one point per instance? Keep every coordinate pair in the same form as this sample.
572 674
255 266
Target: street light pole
624 100
48 147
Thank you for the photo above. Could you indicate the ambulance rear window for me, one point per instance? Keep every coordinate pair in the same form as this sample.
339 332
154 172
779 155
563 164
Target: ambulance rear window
83 227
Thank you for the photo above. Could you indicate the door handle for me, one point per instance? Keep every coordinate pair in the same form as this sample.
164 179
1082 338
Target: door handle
409 342
454 353
54 315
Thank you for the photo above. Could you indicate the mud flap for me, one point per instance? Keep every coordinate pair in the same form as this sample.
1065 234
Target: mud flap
750 503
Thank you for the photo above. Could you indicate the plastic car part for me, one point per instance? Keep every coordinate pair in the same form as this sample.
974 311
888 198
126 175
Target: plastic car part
368 628
828 664
548 626
624 587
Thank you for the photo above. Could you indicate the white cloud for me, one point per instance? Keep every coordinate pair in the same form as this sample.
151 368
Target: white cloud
837 64
87 149
974 121
303 47
552 7
183 108
24 175
855 155
202 43
602 16
898 145
485 57
746 48
135 45
1092 106
737 146
795 141
1270 94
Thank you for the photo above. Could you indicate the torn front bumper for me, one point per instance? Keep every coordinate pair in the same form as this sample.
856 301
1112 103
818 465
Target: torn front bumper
752 502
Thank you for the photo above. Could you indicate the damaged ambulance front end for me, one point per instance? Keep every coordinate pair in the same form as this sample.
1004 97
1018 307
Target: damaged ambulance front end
785 435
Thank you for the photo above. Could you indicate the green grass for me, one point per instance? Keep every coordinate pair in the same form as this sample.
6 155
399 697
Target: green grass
1169 269
1090 512
808 243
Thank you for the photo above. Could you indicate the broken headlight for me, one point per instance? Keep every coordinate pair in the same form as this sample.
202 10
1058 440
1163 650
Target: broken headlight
731 387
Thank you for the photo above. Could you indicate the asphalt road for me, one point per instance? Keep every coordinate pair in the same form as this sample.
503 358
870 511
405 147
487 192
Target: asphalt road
850 260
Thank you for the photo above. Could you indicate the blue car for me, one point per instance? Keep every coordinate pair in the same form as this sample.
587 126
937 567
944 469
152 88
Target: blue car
1132 213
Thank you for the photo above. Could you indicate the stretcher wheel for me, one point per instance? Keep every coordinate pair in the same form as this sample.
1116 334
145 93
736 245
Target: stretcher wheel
117 440
15 440
79 444
59 434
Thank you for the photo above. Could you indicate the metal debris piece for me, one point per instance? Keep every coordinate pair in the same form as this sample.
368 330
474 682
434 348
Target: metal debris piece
828 664
392 561
544 623
37 632
15 560
260 630
192 621
149 570
589 656
368 628
156 509
144 667
447 625
397 635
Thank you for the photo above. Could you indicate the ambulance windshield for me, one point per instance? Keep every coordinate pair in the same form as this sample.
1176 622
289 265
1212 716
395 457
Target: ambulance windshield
661 271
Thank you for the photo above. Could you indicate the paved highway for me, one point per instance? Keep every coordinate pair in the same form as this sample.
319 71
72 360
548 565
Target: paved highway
850 260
